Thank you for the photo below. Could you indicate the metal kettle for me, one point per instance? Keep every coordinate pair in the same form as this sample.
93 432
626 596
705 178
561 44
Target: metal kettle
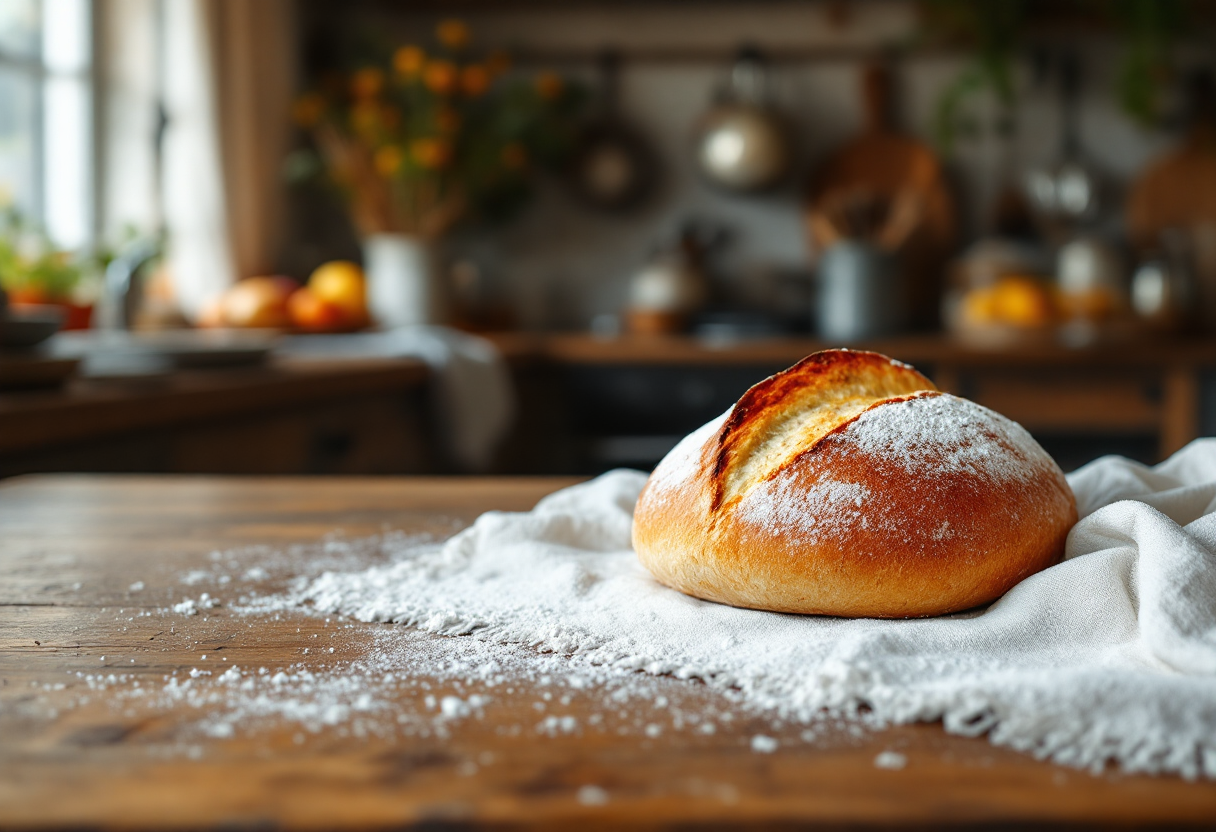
741 143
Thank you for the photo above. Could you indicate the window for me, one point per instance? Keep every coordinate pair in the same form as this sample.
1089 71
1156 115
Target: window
46 115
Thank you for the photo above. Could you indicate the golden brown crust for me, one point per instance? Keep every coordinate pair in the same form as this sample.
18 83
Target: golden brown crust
918 504
821 380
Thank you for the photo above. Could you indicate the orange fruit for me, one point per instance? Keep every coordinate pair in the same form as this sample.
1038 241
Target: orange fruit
1022 301
978 307
315 314
341 283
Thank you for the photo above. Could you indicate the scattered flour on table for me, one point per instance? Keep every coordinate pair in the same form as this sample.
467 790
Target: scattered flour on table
401 682
892 760
762 744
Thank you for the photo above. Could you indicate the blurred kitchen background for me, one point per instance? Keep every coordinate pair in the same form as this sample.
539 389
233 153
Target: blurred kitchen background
526 237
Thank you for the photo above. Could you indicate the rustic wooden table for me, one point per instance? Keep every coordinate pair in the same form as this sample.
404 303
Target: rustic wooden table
81 746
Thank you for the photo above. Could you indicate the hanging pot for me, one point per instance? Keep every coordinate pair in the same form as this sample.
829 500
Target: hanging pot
613 167
742 144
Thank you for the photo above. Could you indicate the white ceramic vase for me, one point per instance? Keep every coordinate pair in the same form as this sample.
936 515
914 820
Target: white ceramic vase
404 282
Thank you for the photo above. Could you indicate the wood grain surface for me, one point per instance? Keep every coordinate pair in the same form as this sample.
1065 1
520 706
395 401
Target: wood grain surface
72 548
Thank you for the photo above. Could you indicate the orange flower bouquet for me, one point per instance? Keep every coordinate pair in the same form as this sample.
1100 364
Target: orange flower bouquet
430 137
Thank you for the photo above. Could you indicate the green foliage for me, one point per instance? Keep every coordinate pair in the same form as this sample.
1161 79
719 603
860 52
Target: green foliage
993 29
1150 29
30 264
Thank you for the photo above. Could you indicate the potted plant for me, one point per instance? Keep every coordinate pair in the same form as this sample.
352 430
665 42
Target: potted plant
422 141
34 273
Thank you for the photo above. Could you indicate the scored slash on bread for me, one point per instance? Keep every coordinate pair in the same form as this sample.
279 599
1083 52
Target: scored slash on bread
848 485
786 415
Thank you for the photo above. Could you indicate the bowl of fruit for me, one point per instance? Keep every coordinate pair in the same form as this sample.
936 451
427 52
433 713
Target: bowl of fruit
334 299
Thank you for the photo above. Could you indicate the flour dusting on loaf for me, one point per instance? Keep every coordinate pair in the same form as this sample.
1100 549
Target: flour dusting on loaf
823 510
936 436
848 485
941 432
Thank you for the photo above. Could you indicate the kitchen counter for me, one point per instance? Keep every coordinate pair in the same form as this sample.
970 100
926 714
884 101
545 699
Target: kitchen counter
289 416
89 569
1146 396
923 349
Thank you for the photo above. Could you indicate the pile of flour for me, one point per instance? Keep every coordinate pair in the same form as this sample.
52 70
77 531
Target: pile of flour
1108 657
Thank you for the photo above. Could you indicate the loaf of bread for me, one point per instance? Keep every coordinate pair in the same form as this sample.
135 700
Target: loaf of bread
848 485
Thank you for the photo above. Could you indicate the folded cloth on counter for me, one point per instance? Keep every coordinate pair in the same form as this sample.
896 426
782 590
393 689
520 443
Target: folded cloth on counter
474 400
1108 656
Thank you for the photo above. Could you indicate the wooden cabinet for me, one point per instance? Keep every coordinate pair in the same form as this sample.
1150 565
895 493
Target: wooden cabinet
304 418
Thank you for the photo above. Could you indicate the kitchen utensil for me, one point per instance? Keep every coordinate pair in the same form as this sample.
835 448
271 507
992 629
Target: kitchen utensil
861 214
1152 295
1163 287
613 167
892 167
1069 192
1089 273
741 143
859 293
669 289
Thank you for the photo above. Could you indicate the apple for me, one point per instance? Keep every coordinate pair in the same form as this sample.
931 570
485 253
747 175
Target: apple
258 302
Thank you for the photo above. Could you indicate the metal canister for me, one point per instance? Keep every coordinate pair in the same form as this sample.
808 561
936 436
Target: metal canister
859 293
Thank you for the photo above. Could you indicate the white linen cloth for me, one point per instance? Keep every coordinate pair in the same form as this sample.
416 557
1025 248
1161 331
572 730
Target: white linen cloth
474 399
1108 656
